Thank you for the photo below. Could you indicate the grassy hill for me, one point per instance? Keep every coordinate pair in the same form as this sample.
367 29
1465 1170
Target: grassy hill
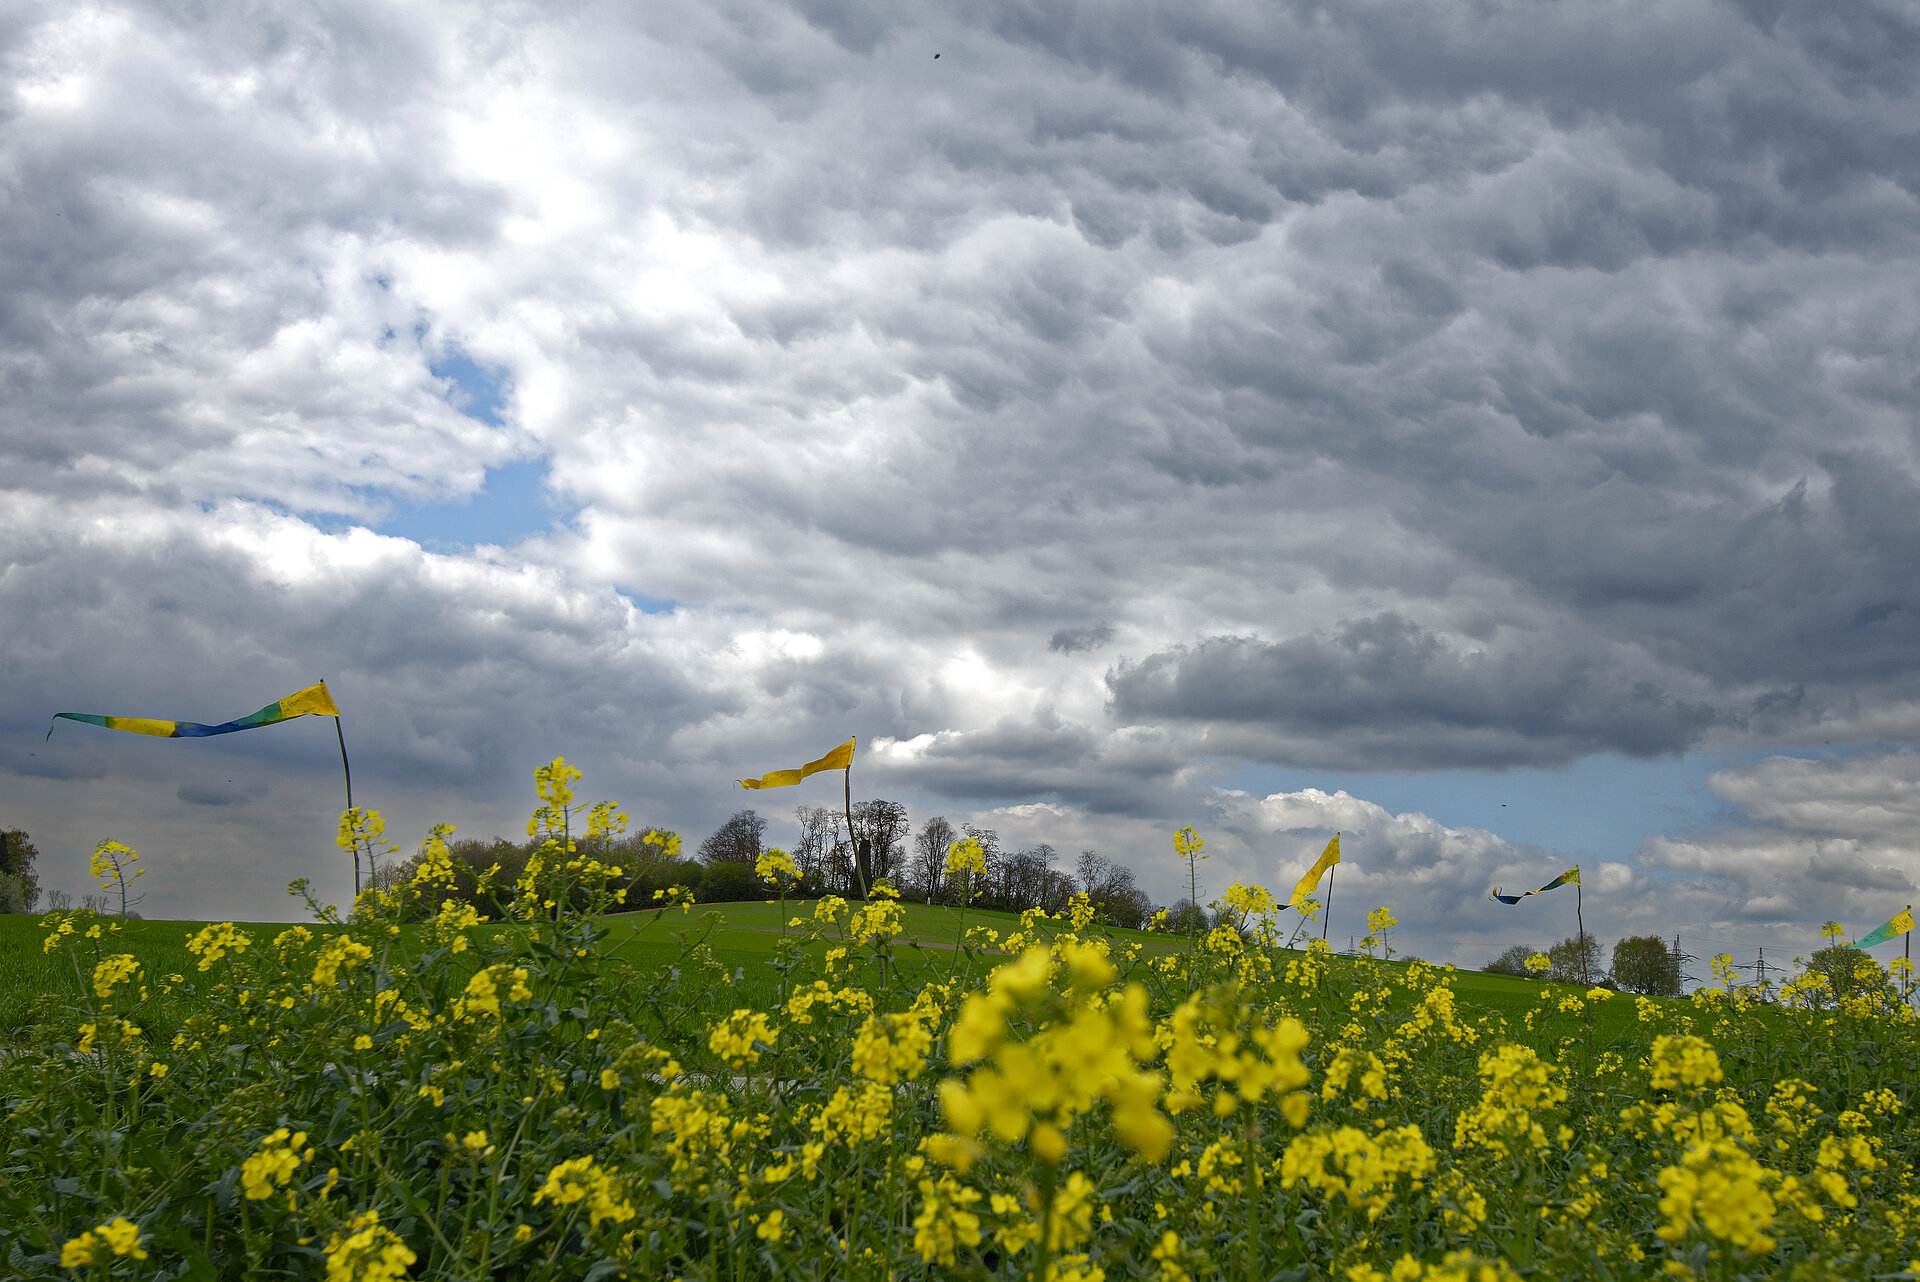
742 937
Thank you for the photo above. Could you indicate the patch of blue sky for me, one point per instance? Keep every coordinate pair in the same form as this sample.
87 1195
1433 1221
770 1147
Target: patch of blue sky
647 604
1605 806
514 504
478 392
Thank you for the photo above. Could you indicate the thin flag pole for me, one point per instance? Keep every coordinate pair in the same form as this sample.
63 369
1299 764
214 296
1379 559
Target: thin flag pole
346 772
1329 917
1580 925
345 769
853 840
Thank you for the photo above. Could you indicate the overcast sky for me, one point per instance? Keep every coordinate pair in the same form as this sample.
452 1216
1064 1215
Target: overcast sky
1484 428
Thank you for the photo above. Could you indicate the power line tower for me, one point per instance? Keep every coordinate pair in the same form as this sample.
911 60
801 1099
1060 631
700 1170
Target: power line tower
1680 959
1759 969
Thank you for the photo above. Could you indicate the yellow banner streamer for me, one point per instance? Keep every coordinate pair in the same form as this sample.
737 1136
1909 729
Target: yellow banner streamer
839 759
1328 858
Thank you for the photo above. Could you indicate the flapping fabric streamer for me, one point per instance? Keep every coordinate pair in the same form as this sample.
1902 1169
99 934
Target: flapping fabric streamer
1902 923
839 759
1305 886
1571 877
314 701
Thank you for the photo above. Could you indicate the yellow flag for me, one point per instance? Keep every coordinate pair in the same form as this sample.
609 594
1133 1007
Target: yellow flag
1902 923
314 700
1328 858
839 759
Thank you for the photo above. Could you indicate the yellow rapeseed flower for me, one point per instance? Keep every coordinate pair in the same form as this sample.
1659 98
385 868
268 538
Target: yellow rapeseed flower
579 1180
272 1167
1719 1189
123 1235
77 1252
367 1252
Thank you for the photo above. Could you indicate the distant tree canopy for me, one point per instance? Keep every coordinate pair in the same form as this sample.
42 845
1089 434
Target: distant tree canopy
19 882
1576 961
1644 964
1512 962
737 841
1184 915
644 857
1849 972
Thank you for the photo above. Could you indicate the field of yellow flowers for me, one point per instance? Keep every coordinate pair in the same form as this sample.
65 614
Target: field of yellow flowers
357 1102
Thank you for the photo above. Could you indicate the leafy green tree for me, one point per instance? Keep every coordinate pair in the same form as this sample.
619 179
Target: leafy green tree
1849 972
1644 964
1576 961
737 841
19 883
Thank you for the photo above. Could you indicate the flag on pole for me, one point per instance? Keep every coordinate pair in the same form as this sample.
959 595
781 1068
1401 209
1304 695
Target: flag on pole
1902 923
1571 877
314 700
1305 886
839 759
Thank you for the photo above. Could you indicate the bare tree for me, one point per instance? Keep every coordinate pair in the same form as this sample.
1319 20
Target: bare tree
991 855
737 841
817 827
1056 891
1092 867
1027 879
837 866
930 856
1111 889
879 830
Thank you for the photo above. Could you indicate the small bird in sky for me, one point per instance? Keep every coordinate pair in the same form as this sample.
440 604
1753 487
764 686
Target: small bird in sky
936 57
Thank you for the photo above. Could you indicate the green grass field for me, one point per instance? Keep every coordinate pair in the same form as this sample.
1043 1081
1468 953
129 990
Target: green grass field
742 937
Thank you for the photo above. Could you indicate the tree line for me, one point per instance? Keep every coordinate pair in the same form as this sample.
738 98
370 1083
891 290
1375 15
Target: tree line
1653 967
884 844
1643 964
827 859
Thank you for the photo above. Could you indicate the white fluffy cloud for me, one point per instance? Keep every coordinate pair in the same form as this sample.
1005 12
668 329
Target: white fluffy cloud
1815 840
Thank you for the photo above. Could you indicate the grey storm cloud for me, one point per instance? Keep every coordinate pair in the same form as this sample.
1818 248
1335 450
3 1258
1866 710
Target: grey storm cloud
1385 692
1363 386
1081 640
